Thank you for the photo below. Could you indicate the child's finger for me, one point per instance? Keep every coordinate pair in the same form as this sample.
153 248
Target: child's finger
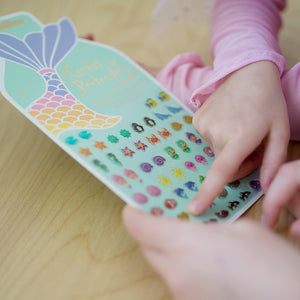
146 229
274 156
283 188
226 164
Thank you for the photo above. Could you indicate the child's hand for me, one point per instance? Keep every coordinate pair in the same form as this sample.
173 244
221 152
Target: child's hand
247 110
284 191
217 261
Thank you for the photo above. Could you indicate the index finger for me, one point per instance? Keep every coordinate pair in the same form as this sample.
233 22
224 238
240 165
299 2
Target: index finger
223 169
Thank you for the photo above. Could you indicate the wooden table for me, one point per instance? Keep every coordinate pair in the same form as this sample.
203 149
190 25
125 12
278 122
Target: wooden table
61 233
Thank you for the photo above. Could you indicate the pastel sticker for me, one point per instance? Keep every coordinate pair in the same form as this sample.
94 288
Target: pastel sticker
132 175
208 152
121 181
190 166
84 134
174 110
151 103
193 138
182 144
113 139
188 119
125 133
164 181
149 122
153 140
146 167
201 159
71 140
164 133
153 190
181 193
163 96
170 203
140 198
156 211
140 146
102 166
191 185
178 173
128 152
137 128
183 216
159 160
162 116
114 159
176 126
85 151
100 145
171 151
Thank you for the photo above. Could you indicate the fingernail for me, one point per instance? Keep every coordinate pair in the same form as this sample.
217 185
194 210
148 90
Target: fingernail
194 207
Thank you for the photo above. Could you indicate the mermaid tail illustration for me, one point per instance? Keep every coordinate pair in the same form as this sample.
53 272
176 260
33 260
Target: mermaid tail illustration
57 110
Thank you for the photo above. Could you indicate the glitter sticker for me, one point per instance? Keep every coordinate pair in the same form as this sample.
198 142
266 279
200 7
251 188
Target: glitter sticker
113 159
100 145
181 193
132 175
153 190
150 103
153 140
70 140
128 152
140 146
163 96
193 138
85 151
137 128
159 160
125 133
178 173
102 166
191 185
113 139
188 119
121 181
171 151
146 167
170 203
176 126
208 152
164 181
162 116
84 134
182 144
190 166
164 133
174 110
149 122
140 198
201 159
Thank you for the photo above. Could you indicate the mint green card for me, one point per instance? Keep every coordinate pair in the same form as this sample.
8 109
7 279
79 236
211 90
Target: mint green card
113 118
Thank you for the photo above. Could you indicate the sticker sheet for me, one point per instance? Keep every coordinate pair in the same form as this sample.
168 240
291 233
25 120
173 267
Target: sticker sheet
113 118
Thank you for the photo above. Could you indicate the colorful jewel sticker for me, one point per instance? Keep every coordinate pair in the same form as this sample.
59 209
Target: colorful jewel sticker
164 181
223 194
188 119
178 173
234 184
193 138
159 160
121 181
163 96
140 146
181 193
137 128
132 175
146 167
233 204
208 152
174 110
85 151
102 166
84 134
255 184
113 159
176 126
153 140
128 152
149 122
162 116
182 144
113 139
100 145
164 133
140 198
171 151
170 203
201 178
153 190
150 103
183 216
191 185
125 133
222 214
156 211
190 166
200 159
70 140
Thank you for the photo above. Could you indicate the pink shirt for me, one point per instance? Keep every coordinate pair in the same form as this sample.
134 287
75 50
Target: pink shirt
243 32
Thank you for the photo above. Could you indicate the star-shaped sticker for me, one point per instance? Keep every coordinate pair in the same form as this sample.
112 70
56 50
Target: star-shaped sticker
85 151
100 145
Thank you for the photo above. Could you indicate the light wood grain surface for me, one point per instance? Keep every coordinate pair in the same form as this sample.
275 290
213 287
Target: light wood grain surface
61 233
